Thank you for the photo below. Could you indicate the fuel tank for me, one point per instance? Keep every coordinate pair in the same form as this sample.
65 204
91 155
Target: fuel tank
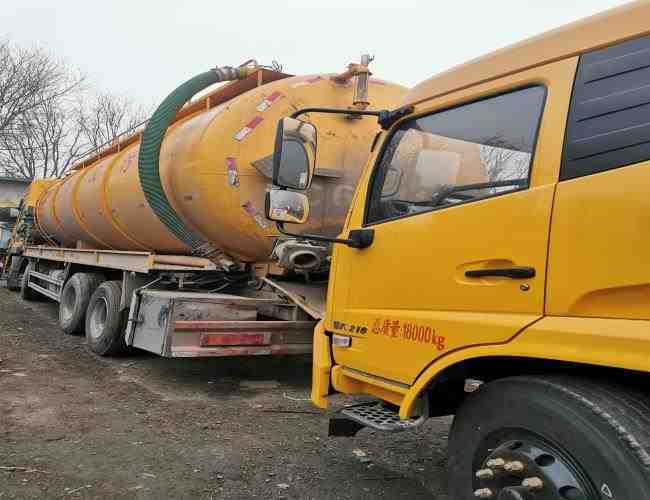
215 166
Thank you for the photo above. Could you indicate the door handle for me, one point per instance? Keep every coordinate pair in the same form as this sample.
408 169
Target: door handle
516 273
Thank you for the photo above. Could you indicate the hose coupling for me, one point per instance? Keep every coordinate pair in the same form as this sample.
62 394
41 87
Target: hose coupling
228 73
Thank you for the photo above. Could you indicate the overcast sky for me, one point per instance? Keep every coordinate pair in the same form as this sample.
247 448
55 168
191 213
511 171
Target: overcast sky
145 48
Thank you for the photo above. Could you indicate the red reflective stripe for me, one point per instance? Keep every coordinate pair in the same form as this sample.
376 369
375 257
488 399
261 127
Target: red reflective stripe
255 122
248 128
232 339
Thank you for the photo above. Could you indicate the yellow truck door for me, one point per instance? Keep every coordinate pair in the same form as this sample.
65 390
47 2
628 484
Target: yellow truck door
460 201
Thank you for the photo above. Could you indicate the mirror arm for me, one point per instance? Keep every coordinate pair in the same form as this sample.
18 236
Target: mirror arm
385 117
337 111
359 238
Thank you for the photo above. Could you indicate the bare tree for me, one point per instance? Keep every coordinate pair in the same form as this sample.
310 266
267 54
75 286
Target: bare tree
38 113
503 160
45 142
106 116
48 121
28 77
50 138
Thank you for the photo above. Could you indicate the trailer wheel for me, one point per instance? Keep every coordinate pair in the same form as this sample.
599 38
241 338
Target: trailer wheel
105 323
75 297
27 293
13 276
551 438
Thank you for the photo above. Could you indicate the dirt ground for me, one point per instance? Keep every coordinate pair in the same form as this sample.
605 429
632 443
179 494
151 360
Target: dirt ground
73 425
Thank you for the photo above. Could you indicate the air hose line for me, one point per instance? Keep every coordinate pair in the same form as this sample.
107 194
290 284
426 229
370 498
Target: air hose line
149 156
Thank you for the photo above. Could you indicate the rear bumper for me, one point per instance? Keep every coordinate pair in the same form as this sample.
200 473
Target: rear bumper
239 338
186 324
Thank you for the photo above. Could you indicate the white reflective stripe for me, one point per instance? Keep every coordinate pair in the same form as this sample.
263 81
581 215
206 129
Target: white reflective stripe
341 340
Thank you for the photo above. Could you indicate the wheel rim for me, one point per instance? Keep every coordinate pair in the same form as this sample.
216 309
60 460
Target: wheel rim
67 303
98 316
520 465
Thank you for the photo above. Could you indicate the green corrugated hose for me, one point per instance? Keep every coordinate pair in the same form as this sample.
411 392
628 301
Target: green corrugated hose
152 138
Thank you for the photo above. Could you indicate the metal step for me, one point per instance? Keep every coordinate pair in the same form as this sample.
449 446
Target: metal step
378 415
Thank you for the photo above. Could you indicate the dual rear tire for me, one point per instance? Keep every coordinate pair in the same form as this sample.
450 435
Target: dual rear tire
105 322
91 305
74 301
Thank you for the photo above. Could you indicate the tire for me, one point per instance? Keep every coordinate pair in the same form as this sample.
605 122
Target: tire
27 293
596 433
13 276
105 323
75 297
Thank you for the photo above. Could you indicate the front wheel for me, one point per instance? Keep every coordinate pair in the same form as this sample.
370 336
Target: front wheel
551 438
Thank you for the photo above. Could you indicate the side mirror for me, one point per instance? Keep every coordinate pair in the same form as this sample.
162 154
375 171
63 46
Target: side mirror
294 157
287 206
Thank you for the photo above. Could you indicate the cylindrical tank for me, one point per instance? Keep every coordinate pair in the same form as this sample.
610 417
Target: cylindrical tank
215 167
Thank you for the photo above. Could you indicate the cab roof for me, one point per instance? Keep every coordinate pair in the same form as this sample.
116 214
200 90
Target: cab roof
615 25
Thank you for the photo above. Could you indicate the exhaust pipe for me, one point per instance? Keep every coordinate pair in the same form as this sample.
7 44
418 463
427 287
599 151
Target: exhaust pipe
301 256
304 260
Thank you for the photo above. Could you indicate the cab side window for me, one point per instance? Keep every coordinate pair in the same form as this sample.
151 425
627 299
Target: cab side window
459 155
609 124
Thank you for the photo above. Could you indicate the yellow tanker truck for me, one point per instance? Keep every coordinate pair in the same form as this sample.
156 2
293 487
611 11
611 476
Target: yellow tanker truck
494 266
159 240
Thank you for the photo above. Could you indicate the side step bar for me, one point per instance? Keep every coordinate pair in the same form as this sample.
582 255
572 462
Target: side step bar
374 414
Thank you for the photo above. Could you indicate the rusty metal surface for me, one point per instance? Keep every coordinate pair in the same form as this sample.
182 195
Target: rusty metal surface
141 262
310 297
179 324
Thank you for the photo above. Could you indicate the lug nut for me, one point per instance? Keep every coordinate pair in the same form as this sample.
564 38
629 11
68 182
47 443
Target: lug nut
495 463
484 493
472 385
485 474
533 483
515 466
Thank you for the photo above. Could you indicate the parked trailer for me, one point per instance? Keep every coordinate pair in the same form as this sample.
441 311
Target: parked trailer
158 240
127 310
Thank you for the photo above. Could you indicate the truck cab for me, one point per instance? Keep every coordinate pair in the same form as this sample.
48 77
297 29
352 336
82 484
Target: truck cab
503 276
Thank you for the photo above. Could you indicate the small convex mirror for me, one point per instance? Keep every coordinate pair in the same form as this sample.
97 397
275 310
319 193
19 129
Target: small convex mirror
287 206
294 158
